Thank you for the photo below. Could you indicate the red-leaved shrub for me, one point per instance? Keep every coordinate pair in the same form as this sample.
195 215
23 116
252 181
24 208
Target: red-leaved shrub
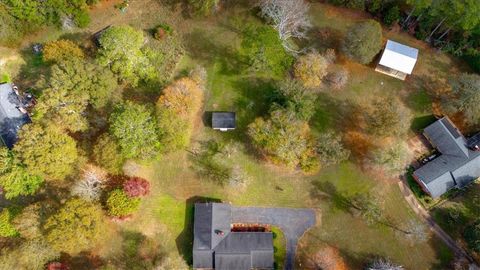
136 187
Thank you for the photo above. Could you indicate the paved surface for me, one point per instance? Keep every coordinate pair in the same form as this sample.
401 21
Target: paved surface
433 226
293 222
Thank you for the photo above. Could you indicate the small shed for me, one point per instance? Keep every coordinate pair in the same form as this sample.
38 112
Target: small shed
223 121
397 60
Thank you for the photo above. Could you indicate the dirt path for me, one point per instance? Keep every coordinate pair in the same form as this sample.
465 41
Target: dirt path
432 225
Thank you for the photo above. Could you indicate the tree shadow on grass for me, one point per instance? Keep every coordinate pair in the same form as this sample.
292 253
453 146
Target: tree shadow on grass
184 240
328 191
201 44
325 38
32 70
421 122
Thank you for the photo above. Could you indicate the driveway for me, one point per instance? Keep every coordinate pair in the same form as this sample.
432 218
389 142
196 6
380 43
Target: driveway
293 222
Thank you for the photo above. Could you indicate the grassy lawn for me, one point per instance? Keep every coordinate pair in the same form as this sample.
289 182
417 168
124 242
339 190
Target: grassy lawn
280 247
166 214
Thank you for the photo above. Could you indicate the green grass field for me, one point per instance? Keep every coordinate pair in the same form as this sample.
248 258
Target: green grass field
279 246
166 214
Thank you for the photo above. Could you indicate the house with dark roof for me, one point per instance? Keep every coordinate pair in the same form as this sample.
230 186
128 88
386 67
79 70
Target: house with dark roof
223 121
458 163
217 246
12 114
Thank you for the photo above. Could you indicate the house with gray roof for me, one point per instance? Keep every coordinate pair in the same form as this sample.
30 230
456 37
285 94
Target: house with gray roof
12 115
458 164
217 246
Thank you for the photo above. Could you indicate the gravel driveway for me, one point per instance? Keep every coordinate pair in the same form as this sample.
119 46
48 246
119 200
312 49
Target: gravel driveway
293 222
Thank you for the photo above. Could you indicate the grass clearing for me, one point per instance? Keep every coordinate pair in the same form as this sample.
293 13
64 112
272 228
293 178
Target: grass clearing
166 214
280 247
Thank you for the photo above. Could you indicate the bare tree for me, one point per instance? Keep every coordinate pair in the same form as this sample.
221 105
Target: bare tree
89 186
383 264
289 18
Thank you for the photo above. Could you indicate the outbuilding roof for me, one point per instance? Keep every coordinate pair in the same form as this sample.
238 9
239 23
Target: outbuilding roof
399 57
11 118
223 120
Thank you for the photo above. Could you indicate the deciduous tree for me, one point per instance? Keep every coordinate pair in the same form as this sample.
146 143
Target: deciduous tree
15 180
28 221
76 227
136 187
295 98
134 128
31 254
46 151
61 50
6 227
289 17
466 91
264 52
472 236
392 158
330 149
72 85
203 7
119 204
383 264
285 139
177 109
310 69
363 41
107 154
90 184
388 117
121 50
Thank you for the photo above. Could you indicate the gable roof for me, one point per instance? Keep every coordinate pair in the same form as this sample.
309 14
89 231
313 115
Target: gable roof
223 120
457 165
399 57
227 250
11 118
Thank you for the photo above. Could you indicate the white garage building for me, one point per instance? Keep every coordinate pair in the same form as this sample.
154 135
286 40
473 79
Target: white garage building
397 60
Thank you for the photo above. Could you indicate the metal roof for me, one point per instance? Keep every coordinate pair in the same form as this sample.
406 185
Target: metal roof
456 166
11 118
223 120
399 57
216 247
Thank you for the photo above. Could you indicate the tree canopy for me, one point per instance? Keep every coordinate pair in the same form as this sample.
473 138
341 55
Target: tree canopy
121 50
295 98
119 204
330 149
15 180
107 153
71 87
310 69
387 117
263 50
203 7
466 96
177 109
77 226
61 50
134 128
285 139
46 151
363 41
